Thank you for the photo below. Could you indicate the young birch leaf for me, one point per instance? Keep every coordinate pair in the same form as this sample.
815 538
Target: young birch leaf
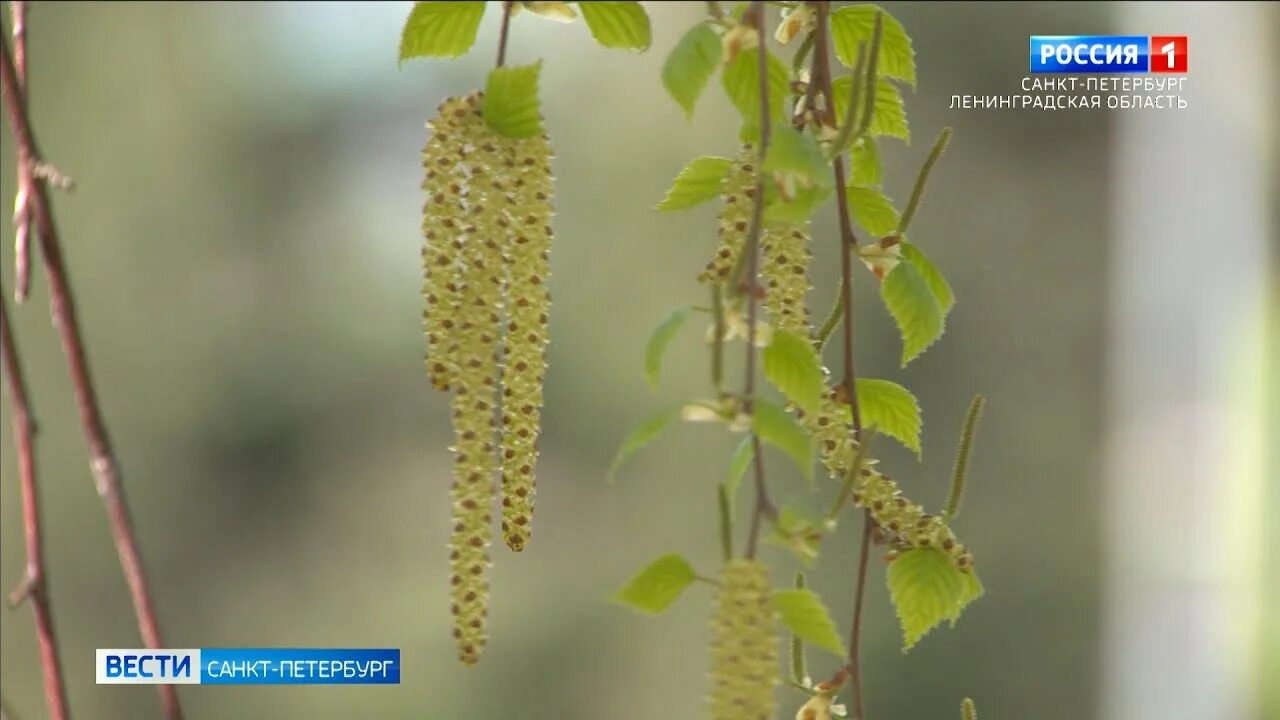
872 210
741 80
659 341
796 153
511 101
738 464
914 308
658 585
803 612
932 275
440 29
864 163
855 23
926 588
793 366
797 532
697 183
892 409
889 116
645 433
795 210
690 65
776 427
972 591
623 25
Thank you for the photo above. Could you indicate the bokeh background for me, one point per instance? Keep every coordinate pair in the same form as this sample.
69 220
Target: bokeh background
244 244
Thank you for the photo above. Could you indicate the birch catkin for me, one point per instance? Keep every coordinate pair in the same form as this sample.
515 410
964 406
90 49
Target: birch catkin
784 268
744 646
528 225
735 217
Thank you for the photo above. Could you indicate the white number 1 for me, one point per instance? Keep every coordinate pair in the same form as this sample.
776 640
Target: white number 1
1167 49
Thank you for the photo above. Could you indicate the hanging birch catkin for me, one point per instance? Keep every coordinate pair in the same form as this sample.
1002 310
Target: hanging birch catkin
744 644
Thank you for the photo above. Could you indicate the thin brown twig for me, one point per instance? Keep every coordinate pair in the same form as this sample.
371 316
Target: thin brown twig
34 584
21 215
848 245
503 32
102 459
764 506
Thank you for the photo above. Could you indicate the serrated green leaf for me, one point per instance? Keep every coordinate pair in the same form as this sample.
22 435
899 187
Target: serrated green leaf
798 209
804 614
741 81
623 25
972 591
892 409
738 464
932 275
796 153
779 429
926 588
915 310
855 23
658 585
793 366
865 163
645 433
658 343
690 65
511 101
889 116
440 29
872 210
697 183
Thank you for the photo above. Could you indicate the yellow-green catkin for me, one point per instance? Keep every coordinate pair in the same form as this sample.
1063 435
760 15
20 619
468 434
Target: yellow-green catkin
462 147
744 646
443 213
738 196
528 219
905 522
784 270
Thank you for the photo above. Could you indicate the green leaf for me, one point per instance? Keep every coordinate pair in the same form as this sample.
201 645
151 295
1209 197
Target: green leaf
796 153
914 308
658 585
779 429
741 80
511 101
932 275
926 588
440 29
797 531
793 366
642 435
972 591
892 409
690 65
798 209
738 464
804 613
865 163
697 183
622 25
855 23
889 116
872 210
659 341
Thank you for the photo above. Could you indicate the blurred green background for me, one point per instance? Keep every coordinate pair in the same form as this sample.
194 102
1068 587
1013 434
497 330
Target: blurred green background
244 244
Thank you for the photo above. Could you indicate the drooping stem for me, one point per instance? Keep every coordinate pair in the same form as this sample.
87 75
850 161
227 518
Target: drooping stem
21 214
503 33
847 245
763 505
717 340
34 585
102 458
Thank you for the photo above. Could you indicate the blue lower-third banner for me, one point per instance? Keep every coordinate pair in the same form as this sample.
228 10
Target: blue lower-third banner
250 666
